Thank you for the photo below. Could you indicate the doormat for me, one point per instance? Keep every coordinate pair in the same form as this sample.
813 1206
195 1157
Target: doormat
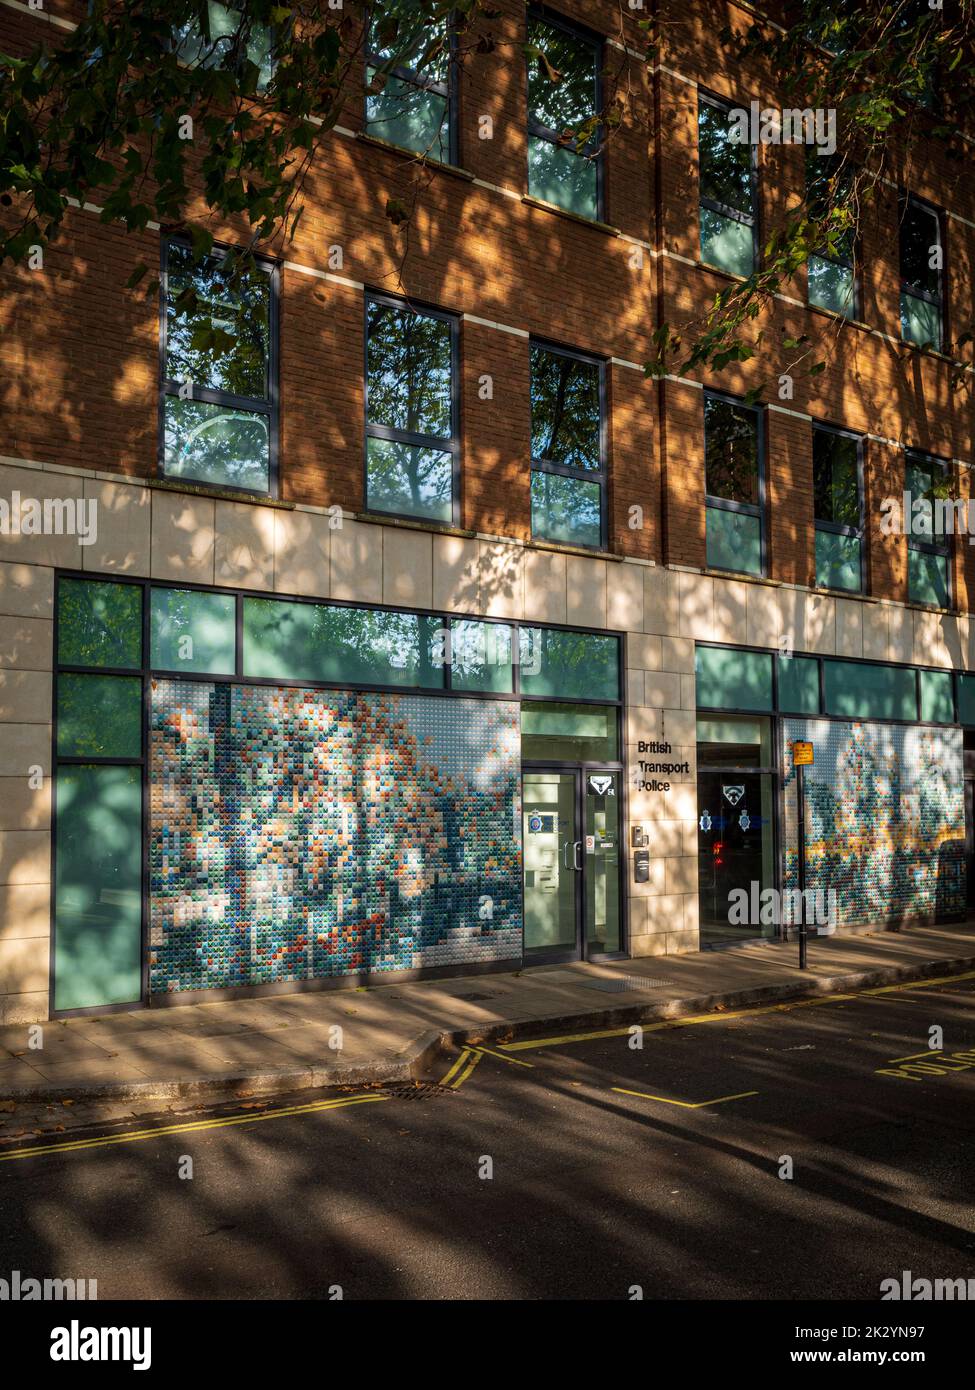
624 985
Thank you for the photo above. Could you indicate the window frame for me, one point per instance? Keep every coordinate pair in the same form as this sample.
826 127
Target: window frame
931 546
597 42
727 504
905 201
592 475
853 265
208 395
448 90
836 528
723 209
397 436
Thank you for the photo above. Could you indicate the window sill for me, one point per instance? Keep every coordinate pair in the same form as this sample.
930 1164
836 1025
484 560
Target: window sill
726 274
559 548
409 523
221 494
838 318
576 217
414 156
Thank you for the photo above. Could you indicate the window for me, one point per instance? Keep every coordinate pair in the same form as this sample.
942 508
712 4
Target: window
831 274
193 631
921 262
729 678
928 546
568 472
727 196
798 684
937 697
734 486
560 169
573 665
838 506
218 45
481 656
862 690
354 646
569 733
219 388
414 109
412 446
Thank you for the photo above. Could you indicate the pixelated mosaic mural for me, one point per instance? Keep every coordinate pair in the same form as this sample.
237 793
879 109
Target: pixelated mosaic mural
298 834
886 817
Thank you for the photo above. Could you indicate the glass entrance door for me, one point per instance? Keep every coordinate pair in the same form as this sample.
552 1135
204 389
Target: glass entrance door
553 864
571 838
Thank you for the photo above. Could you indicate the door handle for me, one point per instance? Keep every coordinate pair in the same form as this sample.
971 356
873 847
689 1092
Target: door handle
577 848
565 855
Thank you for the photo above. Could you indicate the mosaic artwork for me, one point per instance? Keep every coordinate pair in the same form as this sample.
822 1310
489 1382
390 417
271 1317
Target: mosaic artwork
297 834
886 818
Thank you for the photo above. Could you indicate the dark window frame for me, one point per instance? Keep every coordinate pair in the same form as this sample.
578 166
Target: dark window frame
853 265
907 200
931 546
836 528
723 209
597 43
269 406
591 475
449 90
398 436
727 504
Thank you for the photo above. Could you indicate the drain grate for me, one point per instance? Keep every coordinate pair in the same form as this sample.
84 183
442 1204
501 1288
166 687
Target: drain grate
626 984
421 1090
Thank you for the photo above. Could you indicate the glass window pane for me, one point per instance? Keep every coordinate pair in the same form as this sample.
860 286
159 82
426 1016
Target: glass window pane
836 478
566 509
937 698
734 742
420 44
831 286
569 733
727 243
192 47
927 480
734 541
861 690
409 367
920 240
559 175
565 409
99 624
409 479
193 631
355 646
838 561
731 459
966 698
728 678
98 887
99 716
799 684
567 103
234 358
215 444
577 665
920 320
725 163
927 578
410 116
481 656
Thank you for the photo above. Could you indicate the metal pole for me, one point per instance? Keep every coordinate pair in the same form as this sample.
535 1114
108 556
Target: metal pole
801 812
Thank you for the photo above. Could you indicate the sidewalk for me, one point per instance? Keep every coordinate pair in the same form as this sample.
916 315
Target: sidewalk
389 1031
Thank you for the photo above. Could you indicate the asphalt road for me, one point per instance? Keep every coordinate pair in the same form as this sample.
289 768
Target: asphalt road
538 1174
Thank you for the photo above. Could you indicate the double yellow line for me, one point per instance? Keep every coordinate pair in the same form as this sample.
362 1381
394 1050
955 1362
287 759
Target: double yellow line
462 1068
130 1136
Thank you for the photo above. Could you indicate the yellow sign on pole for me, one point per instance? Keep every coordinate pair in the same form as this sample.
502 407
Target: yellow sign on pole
802 754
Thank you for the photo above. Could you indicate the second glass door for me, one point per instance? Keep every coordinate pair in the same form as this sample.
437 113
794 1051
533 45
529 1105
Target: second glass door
571 838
